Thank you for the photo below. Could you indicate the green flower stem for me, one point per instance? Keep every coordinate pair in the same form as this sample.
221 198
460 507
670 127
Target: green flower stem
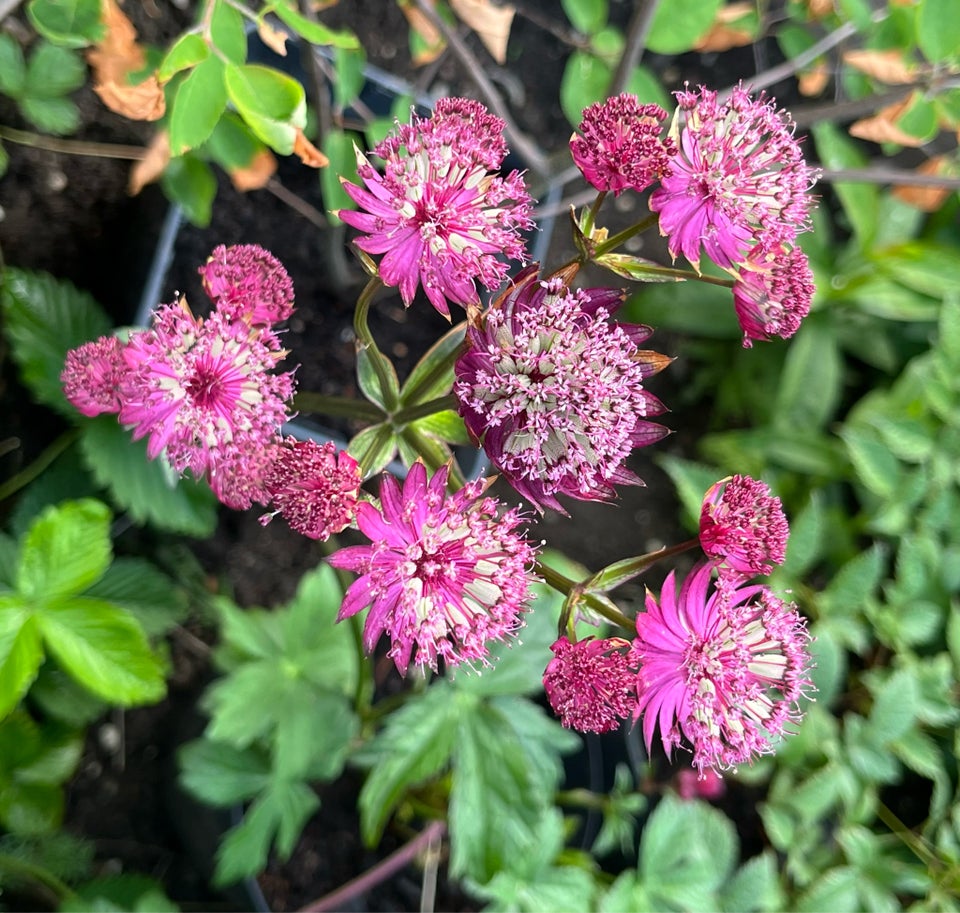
620 572
409 414
340 406
612 243
29 871
581 798
565 585
29 473
682 274
365 338
591 218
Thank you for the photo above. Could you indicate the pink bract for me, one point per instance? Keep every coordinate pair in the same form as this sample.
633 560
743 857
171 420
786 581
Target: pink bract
92 374
313 487
738 179
621 146
590 684
444 575
436 213
743 526
248 283
553 390
724 668
204 393
773 293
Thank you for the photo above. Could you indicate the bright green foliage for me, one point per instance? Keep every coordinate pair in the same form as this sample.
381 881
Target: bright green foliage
71 23
280 718
49 608
678 24
587 16
190 182
126 893
200 101
40 85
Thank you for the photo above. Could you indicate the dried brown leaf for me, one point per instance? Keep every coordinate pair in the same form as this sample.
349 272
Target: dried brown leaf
144 101
817 9
885 66
882 127
273 38
427 31
926 199
309 154
262 167
814 81
152 165
491 23
724 34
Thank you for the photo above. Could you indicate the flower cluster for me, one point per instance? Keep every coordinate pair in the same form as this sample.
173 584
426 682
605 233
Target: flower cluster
554 390
438 214
444 574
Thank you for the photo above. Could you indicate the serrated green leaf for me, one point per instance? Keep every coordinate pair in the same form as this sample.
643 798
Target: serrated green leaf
13 67
21 652
829 665
59 116
144 591
66 550
877 468
72 23
43 319
894 709
221 775
228 33
104 648
243 705
835 890
187 51
301 748
587 16
272 103
853 584
754 887
938 30
190 183
678 24
812 378
141 486
53 71
415 744
312 32
197 106
568 888
806 543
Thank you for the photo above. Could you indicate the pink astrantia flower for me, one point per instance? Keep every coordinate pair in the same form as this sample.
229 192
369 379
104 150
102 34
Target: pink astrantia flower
553 390
92 374
621 147
313 487
444 575
739 179
203 391
773 292
436 214
590 684
743 525
724 669
248 283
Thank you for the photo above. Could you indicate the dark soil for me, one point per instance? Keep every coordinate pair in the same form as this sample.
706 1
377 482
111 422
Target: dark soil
71 216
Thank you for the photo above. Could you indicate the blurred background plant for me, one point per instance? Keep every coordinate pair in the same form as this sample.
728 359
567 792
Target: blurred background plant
855 424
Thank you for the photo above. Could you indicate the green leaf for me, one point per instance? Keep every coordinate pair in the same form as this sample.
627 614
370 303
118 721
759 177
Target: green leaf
144 591
221 775
877 468
228 33
197 106
118 893
569 888
72 23
143 487
13 68
894 708
432 376
922 266
191 183
444 426
43 319
678 24
21 652
646 85
338 146
301 748
272 103
67 549
835 890
415 744
187 51
105 649
587 16
62 699
312 32
692 480
232 144
243 705
754 887
31 808
9 558
584 81
373 448
811 382
369 380
53 71
860 201
350 78
59 116
4 161
853 584
938 30
806 543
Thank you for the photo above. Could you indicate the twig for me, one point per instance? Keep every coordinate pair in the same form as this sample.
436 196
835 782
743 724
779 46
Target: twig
311 213
639 28
7 7
524 147
396 861
881 175
72 146
561 33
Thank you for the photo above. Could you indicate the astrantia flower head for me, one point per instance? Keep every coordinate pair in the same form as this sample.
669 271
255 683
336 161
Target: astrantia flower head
724 669
313 487
590 684
553 390
92 374
622 147
743 526
248 283
739 179
203 391
436 214
444 575
773 292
